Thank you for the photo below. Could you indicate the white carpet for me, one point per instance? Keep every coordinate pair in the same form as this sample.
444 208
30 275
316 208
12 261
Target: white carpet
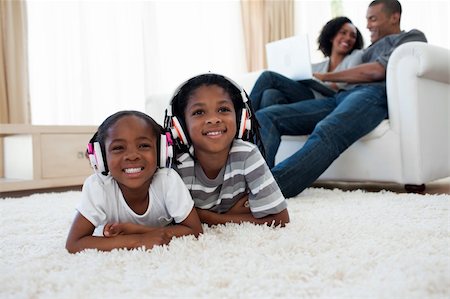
338 245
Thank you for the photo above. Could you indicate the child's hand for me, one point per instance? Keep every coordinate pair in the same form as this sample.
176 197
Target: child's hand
113 229
155 238
240 207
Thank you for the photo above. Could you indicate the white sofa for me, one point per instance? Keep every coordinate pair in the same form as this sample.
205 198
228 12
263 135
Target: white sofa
413 146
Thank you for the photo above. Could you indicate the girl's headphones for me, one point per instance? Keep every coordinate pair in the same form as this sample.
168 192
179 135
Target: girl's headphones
173 125
97 156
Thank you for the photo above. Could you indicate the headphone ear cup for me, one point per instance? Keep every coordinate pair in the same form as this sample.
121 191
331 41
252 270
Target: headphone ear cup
96 157
177 131
162 158
244 124
165 151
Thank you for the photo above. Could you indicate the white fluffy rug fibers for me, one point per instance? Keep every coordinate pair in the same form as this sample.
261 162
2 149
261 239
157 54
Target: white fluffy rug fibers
338 245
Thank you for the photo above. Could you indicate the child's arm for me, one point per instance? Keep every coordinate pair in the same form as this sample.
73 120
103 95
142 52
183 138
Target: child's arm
212 218
239 213
80 238
190 226
128 228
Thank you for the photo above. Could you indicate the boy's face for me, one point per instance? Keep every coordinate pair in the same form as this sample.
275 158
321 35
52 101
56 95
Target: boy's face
131 153
210 120
380 23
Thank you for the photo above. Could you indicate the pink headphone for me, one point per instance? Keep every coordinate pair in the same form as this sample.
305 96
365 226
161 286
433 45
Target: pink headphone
97 157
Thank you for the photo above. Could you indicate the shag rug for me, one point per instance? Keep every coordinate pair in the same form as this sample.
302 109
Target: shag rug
338 245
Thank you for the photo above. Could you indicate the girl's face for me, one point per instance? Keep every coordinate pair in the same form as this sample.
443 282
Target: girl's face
210 120
131 153
345 39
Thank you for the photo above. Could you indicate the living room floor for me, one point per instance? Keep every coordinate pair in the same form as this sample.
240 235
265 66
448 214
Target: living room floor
436 187
441 186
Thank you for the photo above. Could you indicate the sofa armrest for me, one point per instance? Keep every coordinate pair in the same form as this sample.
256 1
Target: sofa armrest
417 82
409 65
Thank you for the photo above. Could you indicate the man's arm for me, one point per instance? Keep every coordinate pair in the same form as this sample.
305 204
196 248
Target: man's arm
363 73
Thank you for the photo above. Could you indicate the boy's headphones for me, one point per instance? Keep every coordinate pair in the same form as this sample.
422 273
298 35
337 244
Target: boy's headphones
173 124
97 156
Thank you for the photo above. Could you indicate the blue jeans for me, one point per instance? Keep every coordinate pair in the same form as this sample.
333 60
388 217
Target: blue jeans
272 88
334 123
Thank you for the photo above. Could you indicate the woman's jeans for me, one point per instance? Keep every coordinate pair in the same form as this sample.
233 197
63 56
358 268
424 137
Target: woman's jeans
334 123
272 88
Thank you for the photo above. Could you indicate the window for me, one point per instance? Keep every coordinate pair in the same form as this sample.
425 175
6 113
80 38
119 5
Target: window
89 59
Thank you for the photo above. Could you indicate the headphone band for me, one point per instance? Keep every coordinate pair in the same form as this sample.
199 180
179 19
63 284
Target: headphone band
174 125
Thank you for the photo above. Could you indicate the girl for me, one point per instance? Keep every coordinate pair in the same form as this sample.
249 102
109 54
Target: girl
129 200
228 178
339 41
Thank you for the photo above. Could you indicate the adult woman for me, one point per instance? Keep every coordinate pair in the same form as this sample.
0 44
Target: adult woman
339 41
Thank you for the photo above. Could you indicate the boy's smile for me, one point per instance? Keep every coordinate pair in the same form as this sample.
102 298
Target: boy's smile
211 120
215 133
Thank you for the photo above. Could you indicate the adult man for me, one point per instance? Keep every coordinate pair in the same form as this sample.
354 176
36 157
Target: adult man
337 122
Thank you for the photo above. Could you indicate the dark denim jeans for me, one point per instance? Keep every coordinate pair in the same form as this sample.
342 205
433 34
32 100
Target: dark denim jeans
272 88
334 123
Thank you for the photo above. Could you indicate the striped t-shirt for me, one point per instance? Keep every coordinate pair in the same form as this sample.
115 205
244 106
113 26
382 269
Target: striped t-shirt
245 172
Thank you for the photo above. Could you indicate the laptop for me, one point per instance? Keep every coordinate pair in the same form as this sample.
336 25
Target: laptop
290 57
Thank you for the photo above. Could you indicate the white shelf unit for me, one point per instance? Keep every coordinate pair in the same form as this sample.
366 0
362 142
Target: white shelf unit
38 157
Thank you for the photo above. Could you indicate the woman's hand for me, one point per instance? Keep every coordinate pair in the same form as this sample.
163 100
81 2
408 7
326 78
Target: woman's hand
319 76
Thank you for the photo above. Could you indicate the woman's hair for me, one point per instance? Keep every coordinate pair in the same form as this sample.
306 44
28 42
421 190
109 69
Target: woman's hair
180 100
330 30
102 131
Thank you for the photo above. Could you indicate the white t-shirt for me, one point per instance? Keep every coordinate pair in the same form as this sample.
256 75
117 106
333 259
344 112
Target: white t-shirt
102 201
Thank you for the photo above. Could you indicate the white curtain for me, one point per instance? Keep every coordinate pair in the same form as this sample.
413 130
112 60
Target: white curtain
89 59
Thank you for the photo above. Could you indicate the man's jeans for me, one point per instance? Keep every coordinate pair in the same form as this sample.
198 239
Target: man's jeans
334 124
272 88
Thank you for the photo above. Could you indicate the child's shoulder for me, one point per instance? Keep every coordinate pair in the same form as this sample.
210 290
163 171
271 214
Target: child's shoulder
98 179
240 145
162 174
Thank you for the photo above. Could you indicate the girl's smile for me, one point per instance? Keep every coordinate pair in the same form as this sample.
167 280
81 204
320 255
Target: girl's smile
131 153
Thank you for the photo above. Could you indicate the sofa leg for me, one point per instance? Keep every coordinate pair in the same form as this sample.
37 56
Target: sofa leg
415 188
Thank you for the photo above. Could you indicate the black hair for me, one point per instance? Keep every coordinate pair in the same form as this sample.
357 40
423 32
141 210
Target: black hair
180 100
389 6
330 30
102 131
